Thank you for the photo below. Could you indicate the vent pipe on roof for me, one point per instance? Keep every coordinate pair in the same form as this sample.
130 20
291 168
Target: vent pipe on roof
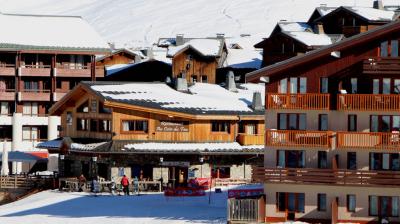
378 4
230 82
181 85
179 39
256 104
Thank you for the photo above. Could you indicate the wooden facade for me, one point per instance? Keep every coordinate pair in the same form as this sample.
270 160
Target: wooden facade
121 56
333 130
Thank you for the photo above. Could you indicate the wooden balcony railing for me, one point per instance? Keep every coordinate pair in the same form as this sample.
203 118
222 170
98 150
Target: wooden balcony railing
7 94
326 176
368 140
34 95
7 69
35 70
369 102
73 71
246 139
307 101
296 138
381 65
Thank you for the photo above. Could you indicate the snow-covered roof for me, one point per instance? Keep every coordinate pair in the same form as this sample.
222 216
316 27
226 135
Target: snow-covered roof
192 147
201 98
311 39
324 10
49 33
294 26
56 144
243 58
206 47
372 14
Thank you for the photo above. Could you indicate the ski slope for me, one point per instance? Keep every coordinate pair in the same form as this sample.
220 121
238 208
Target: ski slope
139 23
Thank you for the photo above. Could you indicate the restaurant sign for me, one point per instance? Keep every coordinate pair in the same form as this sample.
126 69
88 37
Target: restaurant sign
176 163
172 126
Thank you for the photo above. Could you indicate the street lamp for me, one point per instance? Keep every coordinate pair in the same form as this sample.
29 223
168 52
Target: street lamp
201 160
162 179
94 171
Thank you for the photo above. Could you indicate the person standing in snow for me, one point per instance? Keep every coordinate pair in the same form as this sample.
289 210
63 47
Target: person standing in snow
125 184
82 182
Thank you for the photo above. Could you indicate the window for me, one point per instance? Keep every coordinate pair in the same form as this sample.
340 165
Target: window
386 86
31 86
5 132
4 108
59 84
321 202
384 206
353 82
135 126
34 133
323 87
283 85
220 126
221 172
322 159
69 118
104 125
351 203
204 79
396 86
249 128
82 124
292 121
290 159
323 122
375 86
93 125
84 107
352 122
30 108
384 49
73 83
93 106
351 160
292 202
297 85
193 78
395 48
384 123
384 161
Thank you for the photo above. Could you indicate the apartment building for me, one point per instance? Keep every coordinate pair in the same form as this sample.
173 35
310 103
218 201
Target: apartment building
332 132
41 59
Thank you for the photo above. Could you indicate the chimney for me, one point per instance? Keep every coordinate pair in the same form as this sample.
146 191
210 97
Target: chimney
179 39
230 82
256 104
220 36
319 28
138 58
378 4
112 45
181 85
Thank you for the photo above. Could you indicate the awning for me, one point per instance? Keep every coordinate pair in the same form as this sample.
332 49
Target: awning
17 156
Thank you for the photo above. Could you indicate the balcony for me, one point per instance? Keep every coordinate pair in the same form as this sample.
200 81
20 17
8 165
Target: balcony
34 95
100 71
7 95
326 176
381 66
369 102
246 139
35 70
368 140
7 70
308 101
296 138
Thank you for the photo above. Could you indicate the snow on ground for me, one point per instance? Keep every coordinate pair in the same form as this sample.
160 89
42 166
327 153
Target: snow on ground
71 208
137 23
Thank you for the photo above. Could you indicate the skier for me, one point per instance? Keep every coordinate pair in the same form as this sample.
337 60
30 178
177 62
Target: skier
125 184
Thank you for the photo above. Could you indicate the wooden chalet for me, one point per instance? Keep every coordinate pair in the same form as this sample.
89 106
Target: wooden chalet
289 39
118 57
150 131
352 20
195 59
332 140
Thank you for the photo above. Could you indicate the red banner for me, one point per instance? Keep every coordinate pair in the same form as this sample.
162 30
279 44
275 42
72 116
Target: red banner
239 193
184 192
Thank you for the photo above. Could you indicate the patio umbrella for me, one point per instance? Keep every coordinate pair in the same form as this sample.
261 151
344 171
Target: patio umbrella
4 161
